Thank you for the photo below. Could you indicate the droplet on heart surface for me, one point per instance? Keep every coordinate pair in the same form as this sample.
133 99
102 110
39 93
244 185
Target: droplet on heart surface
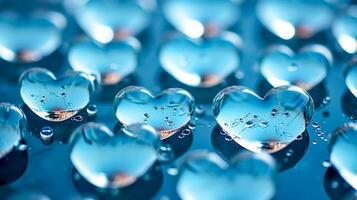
55 99
263 124
343 152
168 112
113 160
12 127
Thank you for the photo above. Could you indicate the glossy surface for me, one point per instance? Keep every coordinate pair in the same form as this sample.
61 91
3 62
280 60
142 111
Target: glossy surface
12 128
294 18
54 99
306 69
344 29
167 112
250 176
111 62
351 77
105 20
268 124
29 38
196 18
201 63
113 160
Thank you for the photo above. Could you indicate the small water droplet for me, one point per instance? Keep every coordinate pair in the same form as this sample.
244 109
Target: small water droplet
46 134
326 100
299 137
326 164
192 126
314 142
22 147
173 171
264 124
186 132
249 124
92 110
222 132
200 110
228 138
286 114
77 118
315 124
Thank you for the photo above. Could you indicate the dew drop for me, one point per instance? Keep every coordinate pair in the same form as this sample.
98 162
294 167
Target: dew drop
314 142
326 164
92 110
77 118
173 171
200 110
228 138
222 132
46 134
186 132
22 147
264 124
249 124
315 124
191 125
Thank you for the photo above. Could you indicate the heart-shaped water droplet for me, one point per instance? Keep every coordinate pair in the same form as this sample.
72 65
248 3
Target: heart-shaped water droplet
343 152
196 18
112 62
267 124
250 176
167 112
55 99
29 38
344 29
105 20
201 63
306 69
113 160
12 127
290 18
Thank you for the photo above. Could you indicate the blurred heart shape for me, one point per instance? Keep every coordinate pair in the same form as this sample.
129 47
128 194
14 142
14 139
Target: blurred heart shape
113 160
250 176
12 127
196 18
263 124
351 76
55 99
343 152
306 68
201 62
112 62
107 20
344 29
290 18
167 112
29 38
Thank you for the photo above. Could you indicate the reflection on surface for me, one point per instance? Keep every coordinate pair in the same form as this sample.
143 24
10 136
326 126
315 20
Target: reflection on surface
336 187
203 95
62 130
285 158
12 166
148 185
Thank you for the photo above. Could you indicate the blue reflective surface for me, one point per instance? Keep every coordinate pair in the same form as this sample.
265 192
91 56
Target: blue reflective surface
49 171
